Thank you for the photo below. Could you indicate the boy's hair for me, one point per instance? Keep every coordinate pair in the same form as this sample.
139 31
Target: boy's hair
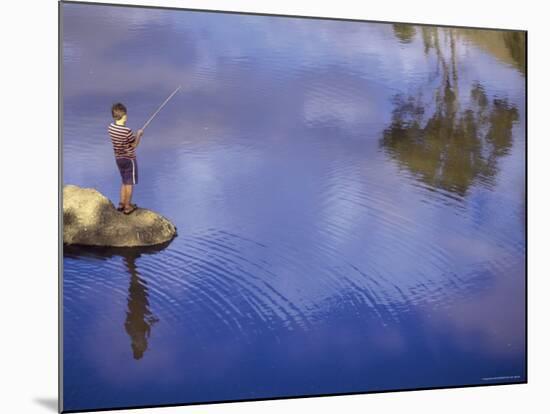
118 110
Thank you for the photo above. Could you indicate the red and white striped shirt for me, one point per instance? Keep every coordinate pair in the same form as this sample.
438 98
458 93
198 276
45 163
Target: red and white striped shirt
123 140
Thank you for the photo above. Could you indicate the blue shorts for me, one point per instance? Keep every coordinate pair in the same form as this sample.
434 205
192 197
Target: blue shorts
128 170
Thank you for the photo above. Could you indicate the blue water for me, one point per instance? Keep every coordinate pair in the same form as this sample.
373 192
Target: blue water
349 198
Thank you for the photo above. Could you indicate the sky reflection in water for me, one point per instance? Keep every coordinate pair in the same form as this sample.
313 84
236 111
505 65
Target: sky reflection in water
349 197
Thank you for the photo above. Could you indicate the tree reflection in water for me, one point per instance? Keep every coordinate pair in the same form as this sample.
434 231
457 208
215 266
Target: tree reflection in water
458 143
404 32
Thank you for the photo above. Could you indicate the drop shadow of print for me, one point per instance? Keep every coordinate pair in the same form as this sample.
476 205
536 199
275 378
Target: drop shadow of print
50 404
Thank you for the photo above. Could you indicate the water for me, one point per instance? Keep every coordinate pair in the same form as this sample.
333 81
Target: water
349 197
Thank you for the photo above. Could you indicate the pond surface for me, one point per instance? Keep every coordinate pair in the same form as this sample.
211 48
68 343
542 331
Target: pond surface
349 198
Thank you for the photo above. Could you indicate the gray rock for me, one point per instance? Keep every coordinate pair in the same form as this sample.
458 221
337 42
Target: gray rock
89 218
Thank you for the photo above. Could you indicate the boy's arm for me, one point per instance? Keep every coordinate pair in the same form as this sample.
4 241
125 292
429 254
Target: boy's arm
137 138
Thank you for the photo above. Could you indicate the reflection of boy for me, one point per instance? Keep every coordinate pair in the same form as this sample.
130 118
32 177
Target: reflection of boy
139 318
124 145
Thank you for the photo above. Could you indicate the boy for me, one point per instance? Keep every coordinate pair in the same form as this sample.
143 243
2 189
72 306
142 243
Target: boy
124 145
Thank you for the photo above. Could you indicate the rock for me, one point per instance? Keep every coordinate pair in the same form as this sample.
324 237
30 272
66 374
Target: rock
89 218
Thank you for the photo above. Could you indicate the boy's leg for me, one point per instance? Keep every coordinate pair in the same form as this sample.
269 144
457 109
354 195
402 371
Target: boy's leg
123 195
126 195
129 190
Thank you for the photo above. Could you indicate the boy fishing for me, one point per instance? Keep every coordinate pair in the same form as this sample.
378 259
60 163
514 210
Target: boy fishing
124 145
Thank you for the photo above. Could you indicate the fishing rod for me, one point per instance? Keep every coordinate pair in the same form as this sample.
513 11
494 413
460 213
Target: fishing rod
160 107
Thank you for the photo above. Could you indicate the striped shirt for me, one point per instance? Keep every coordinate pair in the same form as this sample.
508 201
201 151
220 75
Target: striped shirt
122 139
